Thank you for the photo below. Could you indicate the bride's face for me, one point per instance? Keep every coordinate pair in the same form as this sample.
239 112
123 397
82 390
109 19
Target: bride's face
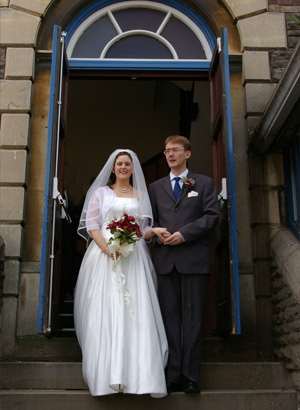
123 167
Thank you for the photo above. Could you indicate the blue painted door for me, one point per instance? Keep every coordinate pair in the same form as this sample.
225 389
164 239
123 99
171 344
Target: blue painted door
228 305
54 204
228 316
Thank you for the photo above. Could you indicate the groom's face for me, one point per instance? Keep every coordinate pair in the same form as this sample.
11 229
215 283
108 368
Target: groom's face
177 156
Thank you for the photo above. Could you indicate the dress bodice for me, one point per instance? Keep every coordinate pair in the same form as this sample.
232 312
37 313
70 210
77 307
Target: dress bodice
121 206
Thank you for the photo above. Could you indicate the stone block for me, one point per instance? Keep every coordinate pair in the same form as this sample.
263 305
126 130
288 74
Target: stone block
19 63
11 277
247 304
12 236
257 97
4 3
28 304
265 327
1 249
31 267
37 7
18 28
296 379
256 66
257 169
8 327
13 166
274 170
252 123
266 170
12 204
237 94
14 130
240 8
265 207
34 221
263 31
286 253
292 353
15 95
262 278
262 237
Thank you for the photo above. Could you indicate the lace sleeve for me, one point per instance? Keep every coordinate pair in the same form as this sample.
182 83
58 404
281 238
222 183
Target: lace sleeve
145 225
93 213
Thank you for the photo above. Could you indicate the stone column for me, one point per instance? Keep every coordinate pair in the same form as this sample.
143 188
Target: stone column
19 22
260 32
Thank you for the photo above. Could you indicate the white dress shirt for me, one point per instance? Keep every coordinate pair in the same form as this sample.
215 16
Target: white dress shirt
172 176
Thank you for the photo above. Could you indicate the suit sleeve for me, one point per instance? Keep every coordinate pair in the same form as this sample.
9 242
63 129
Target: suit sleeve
201 226
153 205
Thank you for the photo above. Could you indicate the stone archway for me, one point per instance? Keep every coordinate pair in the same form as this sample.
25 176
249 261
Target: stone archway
26 39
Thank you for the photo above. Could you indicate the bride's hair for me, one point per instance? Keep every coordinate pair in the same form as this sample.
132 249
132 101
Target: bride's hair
112 177
137 180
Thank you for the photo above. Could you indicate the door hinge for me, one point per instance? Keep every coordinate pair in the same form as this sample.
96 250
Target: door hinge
219 44
223 194
58 197
62 36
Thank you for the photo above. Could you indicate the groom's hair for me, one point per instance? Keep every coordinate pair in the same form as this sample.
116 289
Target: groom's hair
179 140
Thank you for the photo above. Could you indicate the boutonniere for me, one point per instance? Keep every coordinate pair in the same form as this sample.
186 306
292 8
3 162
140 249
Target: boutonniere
188 182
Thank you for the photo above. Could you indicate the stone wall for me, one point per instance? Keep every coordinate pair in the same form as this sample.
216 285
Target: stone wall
259 31
266 169
286 302
280 58
1 270
19 21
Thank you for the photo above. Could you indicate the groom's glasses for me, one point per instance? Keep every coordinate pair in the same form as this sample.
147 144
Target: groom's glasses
175 151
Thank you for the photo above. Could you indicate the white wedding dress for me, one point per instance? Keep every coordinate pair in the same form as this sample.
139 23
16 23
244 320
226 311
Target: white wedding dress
124 346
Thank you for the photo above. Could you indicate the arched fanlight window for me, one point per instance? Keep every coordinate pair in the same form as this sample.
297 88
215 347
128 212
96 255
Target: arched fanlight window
141 30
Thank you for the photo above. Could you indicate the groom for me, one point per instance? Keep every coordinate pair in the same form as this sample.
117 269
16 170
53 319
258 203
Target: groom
187 205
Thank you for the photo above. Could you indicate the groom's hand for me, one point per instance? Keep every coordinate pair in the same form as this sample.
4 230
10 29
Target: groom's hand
175 239
161 233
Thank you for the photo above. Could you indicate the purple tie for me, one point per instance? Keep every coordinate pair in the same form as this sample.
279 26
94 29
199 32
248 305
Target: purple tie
177 188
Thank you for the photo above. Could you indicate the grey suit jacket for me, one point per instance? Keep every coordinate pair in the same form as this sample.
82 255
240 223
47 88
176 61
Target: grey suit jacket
193 215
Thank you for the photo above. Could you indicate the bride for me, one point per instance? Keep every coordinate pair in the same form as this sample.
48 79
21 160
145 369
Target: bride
117 317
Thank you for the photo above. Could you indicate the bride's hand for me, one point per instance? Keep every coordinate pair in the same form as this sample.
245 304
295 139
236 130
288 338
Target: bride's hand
112 255
105 250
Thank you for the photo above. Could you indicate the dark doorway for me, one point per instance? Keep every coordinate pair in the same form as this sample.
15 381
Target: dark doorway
136 113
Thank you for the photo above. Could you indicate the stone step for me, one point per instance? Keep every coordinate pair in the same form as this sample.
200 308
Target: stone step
66 349
224 375
275 399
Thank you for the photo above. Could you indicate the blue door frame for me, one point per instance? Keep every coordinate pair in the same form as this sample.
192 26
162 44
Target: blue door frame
142 66
235 301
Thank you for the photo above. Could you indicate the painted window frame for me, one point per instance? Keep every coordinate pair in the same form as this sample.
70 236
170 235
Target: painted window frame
101 7
292 179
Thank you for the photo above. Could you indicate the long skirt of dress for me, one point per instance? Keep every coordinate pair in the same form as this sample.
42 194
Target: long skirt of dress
124 346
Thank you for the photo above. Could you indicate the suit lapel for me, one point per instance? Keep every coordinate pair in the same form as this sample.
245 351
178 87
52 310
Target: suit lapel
166 183
185 189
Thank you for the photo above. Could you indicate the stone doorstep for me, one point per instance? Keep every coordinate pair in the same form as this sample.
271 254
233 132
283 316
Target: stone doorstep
39 348
59 375
208 400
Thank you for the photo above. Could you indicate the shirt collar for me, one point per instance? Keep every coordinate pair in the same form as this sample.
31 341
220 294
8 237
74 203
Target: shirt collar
184 174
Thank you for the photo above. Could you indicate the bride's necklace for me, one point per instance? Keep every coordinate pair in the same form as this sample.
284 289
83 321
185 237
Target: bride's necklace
123 190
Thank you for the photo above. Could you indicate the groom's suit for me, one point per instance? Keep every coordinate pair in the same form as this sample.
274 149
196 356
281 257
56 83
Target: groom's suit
182 269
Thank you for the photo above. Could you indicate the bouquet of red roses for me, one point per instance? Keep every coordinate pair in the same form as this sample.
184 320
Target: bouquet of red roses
126 232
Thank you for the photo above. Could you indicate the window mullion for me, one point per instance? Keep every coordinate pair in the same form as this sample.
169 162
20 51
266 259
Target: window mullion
164 23
114 22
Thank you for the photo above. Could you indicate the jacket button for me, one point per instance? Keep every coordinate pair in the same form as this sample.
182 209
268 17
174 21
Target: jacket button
175 209
175 222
